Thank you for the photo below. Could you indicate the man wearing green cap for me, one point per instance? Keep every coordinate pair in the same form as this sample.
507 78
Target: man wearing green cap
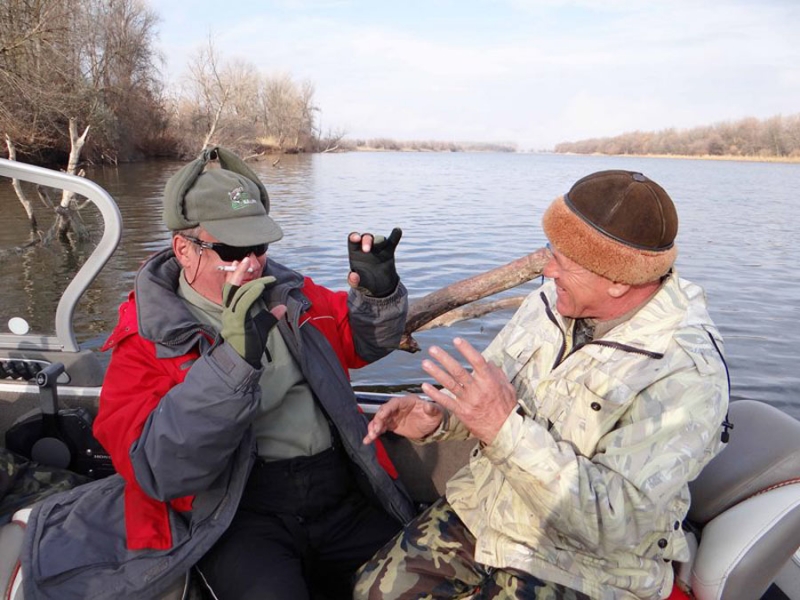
229 415
593 408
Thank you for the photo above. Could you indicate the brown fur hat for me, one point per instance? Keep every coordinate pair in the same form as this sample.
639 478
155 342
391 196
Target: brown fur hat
618 224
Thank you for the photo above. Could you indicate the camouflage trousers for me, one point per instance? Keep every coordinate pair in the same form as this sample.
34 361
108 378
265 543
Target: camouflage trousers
432 558
23 482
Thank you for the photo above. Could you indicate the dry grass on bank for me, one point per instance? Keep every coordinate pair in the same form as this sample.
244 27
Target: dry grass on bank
767 159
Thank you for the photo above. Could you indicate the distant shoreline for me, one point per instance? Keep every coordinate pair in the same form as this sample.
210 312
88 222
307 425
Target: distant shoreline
430 150
726 157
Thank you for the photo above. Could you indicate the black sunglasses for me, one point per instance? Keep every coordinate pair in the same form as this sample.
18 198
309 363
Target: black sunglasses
230 253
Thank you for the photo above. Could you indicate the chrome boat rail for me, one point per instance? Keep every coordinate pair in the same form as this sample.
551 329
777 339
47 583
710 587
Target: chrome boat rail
64 339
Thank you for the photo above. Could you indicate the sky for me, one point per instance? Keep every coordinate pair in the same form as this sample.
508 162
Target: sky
529 72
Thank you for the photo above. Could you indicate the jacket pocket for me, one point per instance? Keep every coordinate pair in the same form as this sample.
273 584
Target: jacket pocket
577 414
80 529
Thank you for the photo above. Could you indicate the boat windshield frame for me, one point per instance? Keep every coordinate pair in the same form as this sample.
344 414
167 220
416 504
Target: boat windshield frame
64 339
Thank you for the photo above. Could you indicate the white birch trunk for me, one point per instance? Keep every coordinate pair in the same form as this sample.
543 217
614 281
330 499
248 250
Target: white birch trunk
26 203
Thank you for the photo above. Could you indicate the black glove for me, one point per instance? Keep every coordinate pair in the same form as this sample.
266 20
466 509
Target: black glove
246 323
375 268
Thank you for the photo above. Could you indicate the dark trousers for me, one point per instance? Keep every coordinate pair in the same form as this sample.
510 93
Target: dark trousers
301 531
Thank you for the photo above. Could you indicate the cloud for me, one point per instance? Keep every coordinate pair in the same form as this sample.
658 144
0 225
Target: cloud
538 72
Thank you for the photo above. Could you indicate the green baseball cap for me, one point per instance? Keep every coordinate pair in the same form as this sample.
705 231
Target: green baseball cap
228 202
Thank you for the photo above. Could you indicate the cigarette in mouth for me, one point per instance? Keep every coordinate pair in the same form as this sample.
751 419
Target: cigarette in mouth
231 268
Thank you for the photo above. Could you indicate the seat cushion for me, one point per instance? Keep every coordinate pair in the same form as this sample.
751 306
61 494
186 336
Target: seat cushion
764 450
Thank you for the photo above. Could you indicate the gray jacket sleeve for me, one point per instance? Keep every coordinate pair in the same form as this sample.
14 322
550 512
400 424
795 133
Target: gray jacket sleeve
190 438
377 323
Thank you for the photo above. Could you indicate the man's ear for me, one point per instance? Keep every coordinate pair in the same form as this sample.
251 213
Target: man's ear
618 290
182 249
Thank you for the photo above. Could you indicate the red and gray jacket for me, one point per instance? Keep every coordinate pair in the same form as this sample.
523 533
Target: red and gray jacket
175 415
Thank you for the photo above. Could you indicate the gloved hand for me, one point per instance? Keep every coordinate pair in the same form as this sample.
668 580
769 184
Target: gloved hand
245 323
378 276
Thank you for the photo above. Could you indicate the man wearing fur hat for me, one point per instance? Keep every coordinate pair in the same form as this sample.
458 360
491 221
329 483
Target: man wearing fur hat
593 408
229 415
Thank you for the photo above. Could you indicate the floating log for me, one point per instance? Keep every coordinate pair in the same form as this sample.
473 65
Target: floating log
423 312
473 311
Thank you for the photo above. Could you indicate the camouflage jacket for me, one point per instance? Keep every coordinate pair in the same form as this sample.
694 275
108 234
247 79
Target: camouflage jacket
586 484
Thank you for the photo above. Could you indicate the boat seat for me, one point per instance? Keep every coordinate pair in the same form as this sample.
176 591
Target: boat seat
746 507
426 468
11 536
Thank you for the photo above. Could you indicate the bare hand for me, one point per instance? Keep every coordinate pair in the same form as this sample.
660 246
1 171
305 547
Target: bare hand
409 416
482 400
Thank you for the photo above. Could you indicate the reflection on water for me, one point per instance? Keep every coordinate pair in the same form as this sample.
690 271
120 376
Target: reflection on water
461 214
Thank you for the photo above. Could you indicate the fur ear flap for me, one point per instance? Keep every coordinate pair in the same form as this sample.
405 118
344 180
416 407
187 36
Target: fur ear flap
228 160
175 192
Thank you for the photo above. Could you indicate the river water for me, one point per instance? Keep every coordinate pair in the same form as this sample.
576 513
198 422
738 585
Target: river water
462 214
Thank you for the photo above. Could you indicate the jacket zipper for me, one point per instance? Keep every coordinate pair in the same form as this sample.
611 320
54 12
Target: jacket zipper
552 317
608 344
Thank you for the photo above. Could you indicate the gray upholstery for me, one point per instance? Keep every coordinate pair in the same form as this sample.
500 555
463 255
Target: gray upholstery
747 536
744 548
10 545
764 449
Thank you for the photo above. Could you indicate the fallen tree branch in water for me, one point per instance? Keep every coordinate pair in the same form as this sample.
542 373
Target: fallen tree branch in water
423 312
473 311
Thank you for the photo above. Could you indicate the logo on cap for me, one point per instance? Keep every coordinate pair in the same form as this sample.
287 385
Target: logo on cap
240 198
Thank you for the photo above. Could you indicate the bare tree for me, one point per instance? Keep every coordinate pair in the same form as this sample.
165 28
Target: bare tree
91 60
331 141
287 112
305 108
276 105
23 198
68 218
220 101
67 211
32 67
120 68
210 90
241 117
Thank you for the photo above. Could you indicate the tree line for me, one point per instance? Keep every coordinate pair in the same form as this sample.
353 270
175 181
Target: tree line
93 64
775 137
392 145
90 66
